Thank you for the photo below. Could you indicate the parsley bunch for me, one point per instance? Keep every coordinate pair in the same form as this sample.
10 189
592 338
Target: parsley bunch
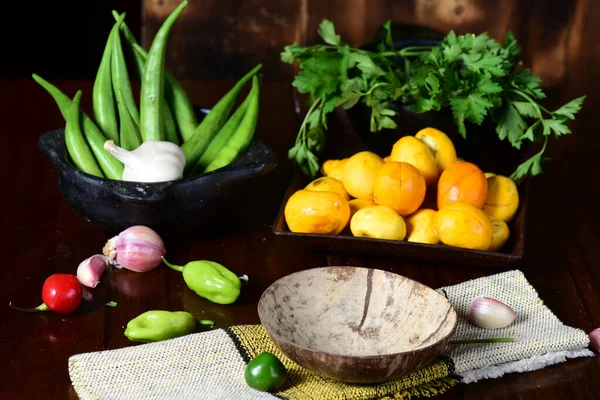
474 75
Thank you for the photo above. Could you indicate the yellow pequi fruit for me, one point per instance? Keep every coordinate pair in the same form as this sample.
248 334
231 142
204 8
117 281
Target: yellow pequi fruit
378 222
334 168
464 225
357 204
440 145
414 152
502 200
327 184
500 235
400 187
309 211
359 173
420 227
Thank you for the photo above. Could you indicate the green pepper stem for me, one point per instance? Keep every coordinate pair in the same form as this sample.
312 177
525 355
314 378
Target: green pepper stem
175 267
495 340
41 307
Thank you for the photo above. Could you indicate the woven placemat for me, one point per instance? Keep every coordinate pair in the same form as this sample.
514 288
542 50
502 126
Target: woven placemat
541 339
211 365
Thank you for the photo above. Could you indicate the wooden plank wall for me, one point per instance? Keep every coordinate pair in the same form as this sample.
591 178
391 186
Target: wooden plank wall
221 39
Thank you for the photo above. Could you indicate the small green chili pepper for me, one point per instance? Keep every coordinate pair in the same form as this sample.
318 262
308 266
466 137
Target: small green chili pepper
156 325
210 280
265 373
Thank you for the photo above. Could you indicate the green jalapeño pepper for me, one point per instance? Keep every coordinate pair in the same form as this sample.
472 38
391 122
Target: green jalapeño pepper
156 325
210 280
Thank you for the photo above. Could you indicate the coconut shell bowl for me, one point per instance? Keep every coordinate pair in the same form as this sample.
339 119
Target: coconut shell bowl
355 324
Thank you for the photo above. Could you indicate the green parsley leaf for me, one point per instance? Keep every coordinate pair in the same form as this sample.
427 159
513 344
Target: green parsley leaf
318 75
511 48
388 35
526 109
433 84
532 166
111 304
556 126
529 83
486 85
472 106
511 126
366 65
571 108
287 56
484 62
327 32
530 133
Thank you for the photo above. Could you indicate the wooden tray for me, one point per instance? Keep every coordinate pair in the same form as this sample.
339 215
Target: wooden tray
511 253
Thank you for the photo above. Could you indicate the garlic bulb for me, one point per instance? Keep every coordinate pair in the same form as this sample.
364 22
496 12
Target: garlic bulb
152 161
137 248
91 269
490 313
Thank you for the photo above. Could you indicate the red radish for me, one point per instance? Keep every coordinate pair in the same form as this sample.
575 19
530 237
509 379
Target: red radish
61 293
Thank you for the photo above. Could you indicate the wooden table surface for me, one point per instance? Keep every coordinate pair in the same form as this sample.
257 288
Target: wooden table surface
41 235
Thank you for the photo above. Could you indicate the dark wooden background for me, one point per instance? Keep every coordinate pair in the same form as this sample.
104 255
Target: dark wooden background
221 39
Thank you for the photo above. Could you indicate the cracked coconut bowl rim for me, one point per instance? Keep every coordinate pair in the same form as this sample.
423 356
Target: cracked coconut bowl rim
345 366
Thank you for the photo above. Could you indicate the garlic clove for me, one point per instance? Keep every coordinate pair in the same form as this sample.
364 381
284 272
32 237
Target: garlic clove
595 339
489 313
137 248
91 269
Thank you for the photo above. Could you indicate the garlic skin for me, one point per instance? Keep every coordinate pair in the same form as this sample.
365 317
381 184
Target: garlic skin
91 269
595 339
138 248
152 161
489 313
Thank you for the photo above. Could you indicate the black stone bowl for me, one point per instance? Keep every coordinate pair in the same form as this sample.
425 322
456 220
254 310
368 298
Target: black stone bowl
216 199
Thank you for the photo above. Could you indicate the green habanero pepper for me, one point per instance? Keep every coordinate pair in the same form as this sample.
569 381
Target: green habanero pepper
265 372
156 325
210 280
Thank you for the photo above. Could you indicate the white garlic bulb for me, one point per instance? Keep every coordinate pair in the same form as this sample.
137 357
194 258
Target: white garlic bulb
152 161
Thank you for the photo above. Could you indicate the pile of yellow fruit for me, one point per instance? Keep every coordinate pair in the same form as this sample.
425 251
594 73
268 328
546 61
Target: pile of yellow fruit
421 193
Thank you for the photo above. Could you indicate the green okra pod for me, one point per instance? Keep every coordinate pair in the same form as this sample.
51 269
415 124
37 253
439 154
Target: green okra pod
239 142
195 146
139 59
120 76
111 167
76 145
221 139
152 84
130 131
105 112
